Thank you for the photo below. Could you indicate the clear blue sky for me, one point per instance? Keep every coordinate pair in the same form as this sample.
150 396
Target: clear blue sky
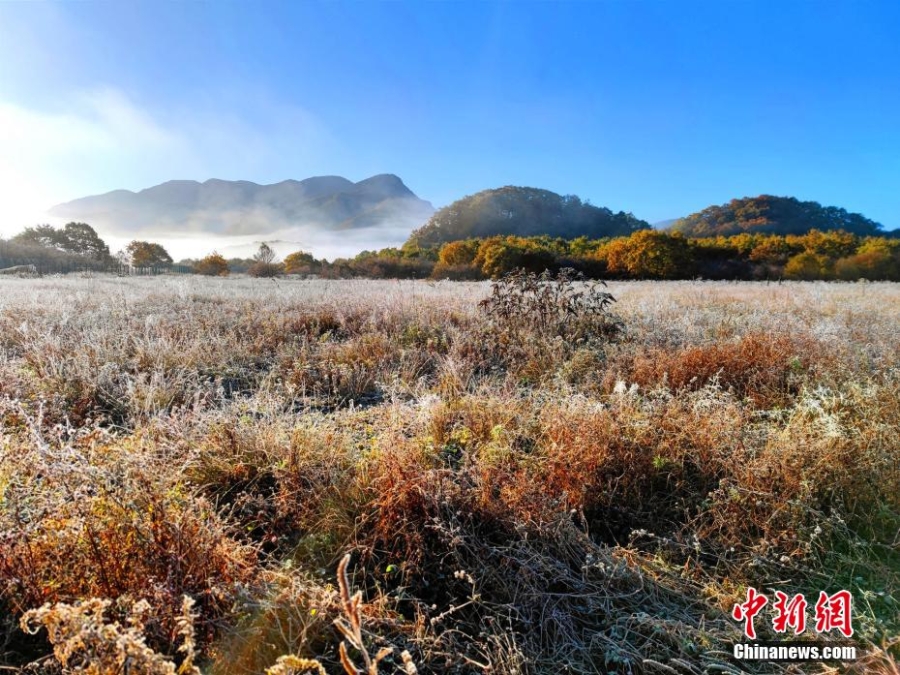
659 108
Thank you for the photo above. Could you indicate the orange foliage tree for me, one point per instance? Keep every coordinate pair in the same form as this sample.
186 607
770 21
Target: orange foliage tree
649 254
213 265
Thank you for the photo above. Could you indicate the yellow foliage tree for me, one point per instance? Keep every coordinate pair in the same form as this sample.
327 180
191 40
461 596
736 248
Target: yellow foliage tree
458 252
300 262
649 254
807 266
213 265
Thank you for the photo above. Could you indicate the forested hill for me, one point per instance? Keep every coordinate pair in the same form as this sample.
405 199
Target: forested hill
773 215
525 212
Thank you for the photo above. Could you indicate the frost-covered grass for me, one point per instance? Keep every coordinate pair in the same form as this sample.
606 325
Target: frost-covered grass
516 497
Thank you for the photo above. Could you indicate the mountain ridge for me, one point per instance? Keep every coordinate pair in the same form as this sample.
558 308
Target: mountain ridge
245 207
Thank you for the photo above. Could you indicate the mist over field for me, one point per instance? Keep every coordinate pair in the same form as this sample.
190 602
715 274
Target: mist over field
328 216
319 241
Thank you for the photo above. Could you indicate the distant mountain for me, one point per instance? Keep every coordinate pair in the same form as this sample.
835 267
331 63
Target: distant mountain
525 212
329 203
772 215
664 224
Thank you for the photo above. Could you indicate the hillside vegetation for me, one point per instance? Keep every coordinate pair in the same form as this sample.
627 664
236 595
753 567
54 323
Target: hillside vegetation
646 254
525 212
772 215
534 476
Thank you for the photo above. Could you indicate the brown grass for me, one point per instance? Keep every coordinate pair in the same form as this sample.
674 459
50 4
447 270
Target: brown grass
766 369
518 499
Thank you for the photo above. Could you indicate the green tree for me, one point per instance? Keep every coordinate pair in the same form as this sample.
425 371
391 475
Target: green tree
76 238
524 212
82 239
45 236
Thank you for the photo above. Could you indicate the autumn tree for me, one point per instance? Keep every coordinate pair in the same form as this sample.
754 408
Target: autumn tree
147 254
459 252
807 266
498 256
773 250
876 260
650 254
772 215
835 244
213 265
300 262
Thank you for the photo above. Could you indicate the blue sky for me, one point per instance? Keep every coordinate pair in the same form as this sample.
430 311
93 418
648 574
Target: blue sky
659 108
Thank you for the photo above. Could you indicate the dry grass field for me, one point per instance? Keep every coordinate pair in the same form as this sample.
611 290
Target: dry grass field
553 486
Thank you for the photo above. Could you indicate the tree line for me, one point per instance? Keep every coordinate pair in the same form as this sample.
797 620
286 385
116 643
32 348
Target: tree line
78 247
643 254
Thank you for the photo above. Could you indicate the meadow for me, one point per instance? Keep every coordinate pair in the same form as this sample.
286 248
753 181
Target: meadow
550 481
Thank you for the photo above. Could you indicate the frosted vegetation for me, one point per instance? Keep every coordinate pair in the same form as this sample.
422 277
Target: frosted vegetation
578 485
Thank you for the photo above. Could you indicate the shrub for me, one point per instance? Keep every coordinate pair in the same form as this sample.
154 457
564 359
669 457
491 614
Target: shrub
456 272
265 265
529 487
265 270
767 369
547 305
